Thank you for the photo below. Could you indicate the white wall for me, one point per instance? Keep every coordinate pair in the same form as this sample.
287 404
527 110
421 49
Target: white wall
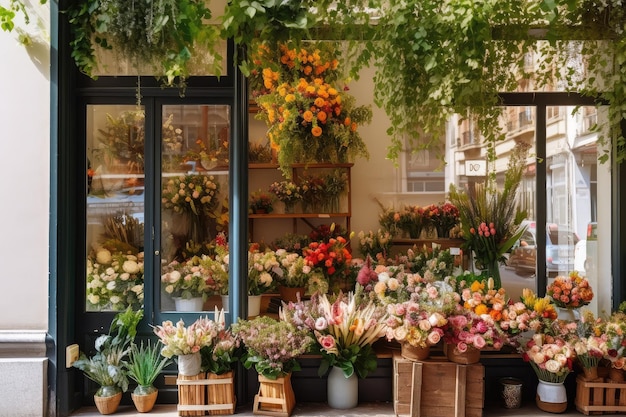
25 174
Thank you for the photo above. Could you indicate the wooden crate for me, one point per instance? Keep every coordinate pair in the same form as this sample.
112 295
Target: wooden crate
199 395
437 388
599 397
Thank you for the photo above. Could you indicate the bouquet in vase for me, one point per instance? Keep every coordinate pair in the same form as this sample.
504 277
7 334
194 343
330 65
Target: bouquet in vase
550 357
572 291
272 346
345 330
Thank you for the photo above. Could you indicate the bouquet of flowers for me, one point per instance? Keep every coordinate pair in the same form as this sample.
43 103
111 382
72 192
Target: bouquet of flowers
375 244
551 358
261 202
195 194
224 351
185 279
571 291
263 267
286 191
180 340
295 271
332 258
443 217
309 118
432 263
588 342
468 330
345 330
411 220
115 280
312 190
614 333
272 346
490 218
409 322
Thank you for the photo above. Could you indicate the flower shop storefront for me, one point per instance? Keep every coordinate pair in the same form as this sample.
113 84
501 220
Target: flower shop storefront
287 271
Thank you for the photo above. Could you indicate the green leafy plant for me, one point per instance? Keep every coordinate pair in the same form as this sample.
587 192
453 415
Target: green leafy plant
163 34
106 367
144 365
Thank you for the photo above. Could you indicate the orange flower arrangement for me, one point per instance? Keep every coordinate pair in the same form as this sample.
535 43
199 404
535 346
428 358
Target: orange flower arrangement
310 119
571 291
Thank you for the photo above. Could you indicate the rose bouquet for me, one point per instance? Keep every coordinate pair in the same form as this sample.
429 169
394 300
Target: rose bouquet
443 217
551 358
185 279
571 291
114 280
409 322
345 330
272 346
468 330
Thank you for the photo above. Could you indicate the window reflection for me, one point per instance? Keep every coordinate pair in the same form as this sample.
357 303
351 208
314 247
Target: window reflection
194 201
115 207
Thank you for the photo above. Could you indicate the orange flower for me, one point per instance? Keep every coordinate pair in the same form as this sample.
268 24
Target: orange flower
319 102
316 131
307 116
322 116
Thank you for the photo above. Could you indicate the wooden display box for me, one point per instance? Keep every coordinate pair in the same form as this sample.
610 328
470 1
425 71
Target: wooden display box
206 394
437 388
599 397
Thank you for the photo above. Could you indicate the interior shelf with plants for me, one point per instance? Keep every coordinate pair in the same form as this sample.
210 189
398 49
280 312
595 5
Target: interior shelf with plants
314 191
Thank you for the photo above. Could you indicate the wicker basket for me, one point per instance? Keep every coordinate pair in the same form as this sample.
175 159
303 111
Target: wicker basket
414 353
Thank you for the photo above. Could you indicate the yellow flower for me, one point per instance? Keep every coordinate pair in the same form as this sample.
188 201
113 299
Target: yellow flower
290 98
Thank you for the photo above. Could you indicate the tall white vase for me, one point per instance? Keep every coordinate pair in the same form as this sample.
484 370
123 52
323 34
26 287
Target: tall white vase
343 392
254 305
551 396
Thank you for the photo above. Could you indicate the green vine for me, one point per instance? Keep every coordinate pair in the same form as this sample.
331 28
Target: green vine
433 59
162 34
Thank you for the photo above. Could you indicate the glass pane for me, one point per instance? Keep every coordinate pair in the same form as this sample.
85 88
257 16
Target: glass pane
572 194
115 207
194 207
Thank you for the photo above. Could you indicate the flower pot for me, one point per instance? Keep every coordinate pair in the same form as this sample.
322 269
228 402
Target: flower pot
616 375
414 353
144 402
254 305
188 304
590 373
225 302
551 396
343 393
511 392
291 294
471 355
189 365
108 404
568 314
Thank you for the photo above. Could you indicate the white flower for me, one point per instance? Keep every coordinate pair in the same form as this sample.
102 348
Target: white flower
137 289
115 299
553 366
130 267
125 276
169 289
104 257
265 279
111 285
93 299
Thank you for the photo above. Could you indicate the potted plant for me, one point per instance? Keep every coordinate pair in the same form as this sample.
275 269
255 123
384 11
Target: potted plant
272 347
261 202
293 282
345 330
106 366
144 365
263 268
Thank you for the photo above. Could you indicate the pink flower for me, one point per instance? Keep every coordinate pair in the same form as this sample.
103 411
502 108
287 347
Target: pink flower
327 342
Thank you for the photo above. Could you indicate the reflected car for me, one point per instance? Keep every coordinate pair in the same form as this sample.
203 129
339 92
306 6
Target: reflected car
560 246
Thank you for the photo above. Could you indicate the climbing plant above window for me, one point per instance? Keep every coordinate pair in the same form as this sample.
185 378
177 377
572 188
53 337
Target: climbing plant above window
161 34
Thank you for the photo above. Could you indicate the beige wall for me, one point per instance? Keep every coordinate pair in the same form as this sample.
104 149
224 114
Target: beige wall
25 173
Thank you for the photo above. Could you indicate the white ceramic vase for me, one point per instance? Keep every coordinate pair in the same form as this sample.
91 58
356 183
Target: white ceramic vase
189 365
189 304
254 305
343 393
